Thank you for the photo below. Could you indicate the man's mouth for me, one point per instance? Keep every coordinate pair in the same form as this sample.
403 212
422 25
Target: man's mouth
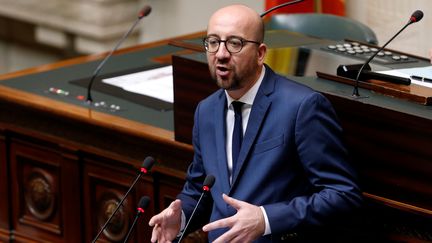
222 71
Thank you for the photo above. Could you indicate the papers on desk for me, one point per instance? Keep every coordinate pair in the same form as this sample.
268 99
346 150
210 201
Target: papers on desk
156 83
424 72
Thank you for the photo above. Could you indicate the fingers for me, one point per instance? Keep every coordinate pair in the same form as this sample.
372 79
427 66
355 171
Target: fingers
155 234
166 224
154 220
245 226
232 201
226 222
173 208
221 223
226 237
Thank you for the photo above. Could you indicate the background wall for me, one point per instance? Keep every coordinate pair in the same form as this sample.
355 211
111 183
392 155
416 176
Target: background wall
386 17
171 18
51 30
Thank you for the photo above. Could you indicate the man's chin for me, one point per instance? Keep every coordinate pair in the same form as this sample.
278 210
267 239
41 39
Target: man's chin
224 83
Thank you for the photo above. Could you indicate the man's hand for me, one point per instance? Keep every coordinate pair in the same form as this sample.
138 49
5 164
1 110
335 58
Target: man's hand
245 226
166 224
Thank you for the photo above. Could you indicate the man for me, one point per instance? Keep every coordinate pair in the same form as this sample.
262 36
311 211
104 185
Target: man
291 173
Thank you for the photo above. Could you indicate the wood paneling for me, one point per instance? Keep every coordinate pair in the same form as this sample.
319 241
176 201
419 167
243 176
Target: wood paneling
4 190
63 167
78 161
192 83
45 193
105 183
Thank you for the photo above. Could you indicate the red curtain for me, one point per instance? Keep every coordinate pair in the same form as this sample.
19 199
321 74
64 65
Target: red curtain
336 7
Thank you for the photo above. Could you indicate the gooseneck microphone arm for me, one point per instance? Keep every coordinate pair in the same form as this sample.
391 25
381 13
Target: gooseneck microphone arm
208 183
415 17
146 166
144 12
142 205
280 6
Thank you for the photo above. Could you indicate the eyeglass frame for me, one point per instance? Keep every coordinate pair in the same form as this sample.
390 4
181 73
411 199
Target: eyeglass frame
242 40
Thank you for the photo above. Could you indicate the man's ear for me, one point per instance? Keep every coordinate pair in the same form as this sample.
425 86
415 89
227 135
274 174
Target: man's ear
262 50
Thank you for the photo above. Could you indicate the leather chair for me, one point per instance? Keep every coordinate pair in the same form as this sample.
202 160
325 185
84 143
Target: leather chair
324 26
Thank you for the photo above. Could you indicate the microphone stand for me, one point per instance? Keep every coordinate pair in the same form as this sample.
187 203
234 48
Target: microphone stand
143 204
193 212
208 183
356 93
117 208
146 10
414 18
279 6
147 164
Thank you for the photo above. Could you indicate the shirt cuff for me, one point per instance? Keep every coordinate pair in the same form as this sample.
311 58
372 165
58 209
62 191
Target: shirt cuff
267 230
182 224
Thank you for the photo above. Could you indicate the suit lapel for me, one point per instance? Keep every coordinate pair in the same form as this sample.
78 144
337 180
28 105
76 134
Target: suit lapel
220 136
256 118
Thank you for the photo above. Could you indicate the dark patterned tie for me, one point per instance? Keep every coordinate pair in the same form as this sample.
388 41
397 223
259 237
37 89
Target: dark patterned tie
237 136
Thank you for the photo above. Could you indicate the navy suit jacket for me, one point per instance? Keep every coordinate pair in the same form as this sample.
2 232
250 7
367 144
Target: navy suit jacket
292 161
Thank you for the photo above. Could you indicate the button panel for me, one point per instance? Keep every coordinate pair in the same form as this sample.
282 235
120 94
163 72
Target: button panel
355 49
100 105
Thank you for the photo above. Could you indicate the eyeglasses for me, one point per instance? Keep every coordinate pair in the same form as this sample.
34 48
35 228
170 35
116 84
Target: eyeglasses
232 44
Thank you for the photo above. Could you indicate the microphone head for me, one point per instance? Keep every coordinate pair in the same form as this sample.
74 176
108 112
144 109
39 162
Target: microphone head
208 183
144 11
143 203
147 164
416 16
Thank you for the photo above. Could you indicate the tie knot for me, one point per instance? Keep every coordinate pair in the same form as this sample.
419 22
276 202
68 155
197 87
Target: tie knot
237 105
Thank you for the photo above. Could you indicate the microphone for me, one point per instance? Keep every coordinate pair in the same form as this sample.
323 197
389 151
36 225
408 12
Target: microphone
144 12
208 183
279 6
415 17
142 205
145 168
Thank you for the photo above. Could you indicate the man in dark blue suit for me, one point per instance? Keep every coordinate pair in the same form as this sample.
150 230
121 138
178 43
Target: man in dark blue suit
287 171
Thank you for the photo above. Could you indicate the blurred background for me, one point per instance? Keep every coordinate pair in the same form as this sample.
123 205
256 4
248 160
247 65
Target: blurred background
37 32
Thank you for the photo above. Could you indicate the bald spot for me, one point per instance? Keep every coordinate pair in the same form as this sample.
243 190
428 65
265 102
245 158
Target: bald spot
238 18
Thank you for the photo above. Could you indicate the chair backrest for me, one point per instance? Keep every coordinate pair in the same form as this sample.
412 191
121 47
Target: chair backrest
325 26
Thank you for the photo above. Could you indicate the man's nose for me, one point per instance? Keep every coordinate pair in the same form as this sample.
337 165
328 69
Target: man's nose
222 51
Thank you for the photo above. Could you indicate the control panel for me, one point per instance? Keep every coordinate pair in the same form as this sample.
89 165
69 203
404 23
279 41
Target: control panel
101 105
364 52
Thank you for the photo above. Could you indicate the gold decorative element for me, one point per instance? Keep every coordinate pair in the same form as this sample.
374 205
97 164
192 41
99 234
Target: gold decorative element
39 195
119 225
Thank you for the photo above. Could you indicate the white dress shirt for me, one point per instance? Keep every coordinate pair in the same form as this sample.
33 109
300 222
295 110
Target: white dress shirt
247 99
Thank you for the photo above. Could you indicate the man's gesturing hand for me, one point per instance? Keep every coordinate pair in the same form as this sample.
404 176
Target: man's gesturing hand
166 224
245 226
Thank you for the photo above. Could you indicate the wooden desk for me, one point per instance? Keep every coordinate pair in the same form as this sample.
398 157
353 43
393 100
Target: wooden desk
65 165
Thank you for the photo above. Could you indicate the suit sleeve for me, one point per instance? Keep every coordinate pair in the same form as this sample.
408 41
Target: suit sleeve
324 158
194 182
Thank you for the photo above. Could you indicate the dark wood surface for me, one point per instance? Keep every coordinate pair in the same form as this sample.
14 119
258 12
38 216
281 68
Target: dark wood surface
188 91
4 191
412 92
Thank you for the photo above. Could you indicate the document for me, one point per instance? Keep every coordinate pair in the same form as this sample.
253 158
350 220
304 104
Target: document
419 75
156 83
